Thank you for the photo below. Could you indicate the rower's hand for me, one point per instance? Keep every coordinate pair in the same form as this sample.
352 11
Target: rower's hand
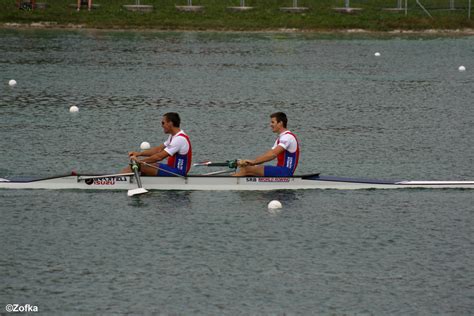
134 158
244 163
132 154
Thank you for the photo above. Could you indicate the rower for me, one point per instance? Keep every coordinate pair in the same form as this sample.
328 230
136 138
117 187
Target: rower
177 148
87 3
26 4
286 150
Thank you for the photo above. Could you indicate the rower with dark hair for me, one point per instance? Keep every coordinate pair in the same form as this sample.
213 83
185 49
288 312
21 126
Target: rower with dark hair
286 150
177 148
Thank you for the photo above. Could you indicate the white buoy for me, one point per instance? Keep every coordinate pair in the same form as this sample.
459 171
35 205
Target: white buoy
462 68
274 204
145 146
73 109
377 54
12 83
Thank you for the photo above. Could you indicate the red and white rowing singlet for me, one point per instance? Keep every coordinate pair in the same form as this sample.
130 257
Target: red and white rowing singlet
180 151
288 158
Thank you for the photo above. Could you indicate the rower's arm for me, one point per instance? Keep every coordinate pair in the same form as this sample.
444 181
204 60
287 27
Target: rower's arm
269 155
156 157
150 152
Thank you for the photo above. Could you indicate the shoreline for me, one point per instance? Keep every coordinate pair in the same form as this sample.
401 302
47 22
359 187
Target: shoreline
70 26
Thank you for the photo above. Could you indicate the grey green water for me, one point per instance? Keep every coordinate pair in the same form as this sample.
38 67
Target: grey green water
408 114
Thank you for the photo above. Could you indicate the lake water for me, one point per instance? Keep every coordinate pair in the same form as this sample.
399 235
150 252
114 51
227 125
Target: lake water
408 114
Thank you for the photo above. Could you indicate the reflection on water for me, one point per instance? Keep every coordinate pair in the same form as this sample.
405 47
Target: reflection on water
164 201
288 198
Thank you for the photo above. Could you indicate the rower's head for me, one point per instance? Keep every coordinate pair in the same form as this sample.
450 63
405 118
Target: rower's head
170 121
278 122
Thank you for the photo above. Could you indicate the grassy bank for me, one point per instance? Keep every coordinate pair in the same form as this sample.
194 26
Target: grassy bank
265 15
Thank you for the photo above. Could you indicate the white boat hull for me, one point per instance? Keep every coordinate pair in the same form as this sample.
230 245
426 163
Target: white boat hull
222 183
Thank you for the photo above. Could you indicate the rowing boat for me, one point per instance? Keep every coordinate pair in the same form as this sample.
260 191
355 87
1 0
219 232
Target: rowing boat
128 181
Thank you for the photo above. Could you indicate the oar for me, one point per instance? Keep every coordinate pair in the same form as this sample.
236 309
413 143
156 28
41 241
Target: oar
232 164
115 175
206 163
217 172
140 189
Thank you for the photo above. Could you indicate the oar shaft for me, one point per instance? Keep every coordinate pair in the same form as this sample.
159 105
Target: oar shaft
218 164
232 164
116 175
164 170
136 173
217 172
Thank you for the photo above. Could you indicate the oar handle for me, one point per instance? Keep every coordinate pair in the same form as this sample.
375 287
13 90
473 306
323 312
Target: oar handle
232 164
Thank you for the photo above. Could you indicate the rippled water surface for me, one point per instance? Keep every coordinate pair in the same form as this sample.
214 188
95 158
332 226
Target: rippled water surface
408 114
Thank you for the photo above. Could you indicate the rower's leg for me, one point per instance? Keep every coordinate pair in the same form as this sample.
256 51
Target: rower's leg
250 171
147 170
128 169
144 170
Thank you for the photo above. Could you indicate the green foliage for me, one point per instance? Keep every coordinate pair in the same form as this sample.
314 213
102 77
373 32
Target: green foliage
265 15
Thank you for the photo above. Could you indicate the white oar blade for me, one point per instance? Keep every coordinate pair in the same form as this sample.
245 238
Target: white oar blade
137 191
